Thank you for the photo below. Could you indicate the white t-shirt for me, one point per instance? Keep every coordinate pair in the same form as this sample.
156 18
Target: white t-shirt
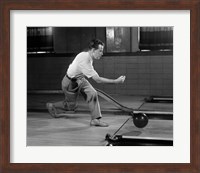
82 65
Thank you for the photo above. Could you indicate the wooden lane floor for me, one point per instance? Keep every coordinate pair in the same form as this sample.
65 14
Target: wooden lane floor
42 130
75 130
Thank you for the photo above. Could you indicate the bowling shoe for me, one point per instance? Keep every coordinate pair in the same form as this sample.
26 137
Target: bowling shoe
51 109
97 122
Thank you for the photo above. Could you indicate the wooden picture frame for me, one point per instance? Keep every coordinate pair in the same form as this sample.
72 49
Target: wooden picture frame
7 5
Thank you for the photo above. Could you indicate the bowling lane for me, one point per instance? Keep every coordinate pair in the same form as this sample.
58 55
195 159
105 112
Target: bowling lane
74 130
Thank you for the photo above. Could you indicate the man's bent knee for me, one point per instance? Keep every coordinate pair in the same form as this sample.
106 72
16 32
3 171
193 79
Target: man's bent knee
92 96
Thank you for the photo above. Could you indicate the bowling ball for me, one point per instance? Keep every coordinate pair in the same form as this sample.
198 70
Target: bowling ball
140 120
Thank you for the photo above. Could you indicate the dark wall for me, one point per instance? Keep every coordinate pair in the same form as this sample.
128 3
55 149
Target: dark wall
146 75
75 39
45 73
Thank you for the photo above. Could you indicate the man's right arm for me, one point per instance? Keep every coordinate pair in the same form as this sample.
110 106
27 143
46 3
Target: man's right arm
99 79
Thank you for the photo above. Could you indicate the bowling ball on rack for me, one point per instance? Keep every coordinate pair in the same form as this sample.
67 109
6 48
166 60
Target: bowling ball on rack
140 120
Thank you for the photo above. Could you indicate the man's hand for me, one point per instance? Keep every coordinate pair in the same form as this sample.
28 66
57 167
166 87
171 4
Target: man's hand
99 79
120 79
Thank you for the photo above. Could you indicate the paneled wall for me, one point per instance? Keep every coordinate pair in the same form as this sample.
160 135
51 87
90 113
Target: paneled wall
145 75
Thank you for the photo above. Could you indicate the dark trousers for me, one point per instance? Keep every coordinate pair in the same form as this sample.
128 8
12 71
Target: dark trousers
72 89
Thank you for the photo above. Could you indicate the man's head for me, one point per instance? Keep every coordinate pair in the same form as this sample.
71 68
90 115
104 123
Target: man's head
96 48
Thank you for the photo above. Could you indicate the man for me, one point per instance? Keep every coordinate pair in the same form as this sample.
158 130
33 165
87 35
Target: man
75 82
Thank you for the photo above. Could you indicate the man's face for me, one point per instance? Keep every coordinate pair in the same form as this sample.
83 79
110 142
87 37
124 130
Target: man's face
97 53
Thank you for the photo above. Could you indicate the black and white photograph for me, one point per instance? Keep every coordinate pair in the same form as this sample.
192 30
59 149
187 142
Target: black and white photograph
99 86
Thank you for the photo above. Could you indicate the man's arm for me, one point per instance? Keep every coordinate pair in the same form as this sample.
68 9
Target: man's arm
99 79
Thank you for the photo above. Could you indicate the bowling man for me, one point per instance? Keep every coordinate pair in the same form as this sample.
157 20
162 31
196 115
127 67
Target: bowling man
75 82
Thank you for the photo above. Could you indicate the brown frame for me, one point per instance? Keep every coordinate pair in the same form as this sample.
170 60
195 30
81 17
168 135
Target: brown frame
7 5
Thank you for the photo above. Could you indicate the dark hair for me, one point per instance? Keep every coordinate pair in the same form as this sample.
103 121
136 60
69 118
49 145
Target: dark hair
95 44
